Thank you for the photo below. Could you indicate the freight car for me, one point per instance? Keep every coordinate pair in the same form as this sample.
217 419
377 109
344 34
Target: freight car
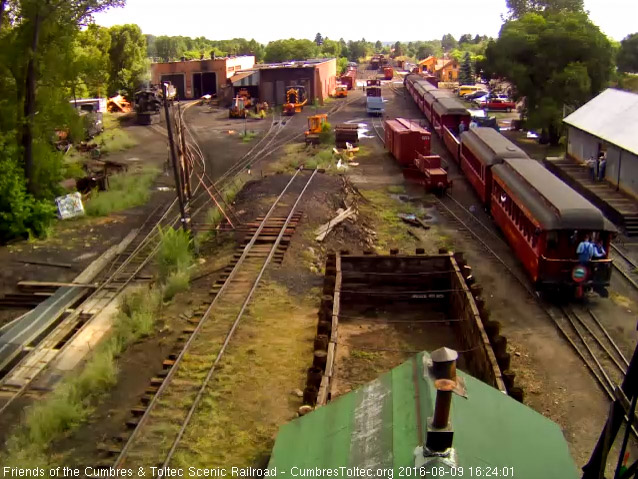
388 73
349 78
542 218
409 143
544 221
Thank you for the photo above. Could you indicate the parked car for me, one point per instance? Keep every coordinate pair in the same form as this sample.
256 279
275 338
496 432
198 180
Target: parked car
497 104
474 95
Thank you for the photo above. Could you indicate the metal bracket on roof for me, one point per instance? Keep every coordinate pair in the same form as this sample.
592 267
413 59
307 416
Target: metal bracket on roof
426 461
428 373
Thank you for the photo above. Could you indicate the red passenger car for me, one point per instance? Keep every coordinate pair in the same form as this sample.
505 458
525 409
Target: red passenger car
544 220
405 139
481 148
430 97
451 113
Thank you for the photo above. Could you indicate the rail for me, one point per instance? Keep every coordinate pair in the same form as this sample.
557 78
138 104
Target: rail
190 344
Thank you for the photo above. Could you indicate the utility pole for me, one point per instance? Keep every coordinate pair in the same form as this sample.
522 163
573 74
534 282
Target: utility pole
178 181
187 174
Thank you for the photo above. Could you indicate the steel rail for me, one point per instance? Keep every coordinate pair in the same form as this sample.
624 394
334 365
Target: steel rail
200 324
221 352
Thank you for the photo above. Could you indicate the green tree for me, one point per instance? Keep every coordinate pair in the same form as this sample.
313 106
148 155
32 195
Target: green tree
127 57
331 48
448 42
318 39
518 8
398 49
552 60
466 38
378 46
627 59
93 60
466 73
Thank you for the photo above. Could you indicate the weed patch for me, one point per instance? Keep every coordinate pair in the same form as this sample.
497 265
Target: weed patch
126 190
114 138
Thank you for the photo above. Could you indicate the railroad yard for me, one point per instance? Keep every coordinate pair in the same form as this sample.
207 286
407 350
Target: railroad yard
299 249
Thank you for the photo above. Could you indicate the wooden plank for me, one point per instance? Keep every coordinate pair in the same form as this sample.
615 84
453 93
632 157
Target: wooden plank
53 264
322 396
332 349
336 301
52 284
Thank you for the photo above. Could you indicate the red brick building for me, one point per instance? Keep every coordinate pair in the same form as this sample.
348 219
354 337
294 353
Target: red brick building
195 78
319 77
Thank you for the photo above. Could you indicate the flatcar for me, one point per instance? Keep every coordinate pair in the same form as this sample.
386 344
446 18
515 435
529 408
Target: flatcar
544 221
482 148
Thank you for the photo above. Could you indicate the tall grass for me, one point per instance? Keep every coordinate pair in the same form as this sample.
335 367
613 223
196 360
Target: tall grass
73 400
114 138
174 259
126 190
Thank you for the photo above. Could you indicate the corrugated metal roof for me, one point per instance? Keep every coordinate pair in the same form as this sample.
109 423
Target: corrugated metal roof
240 76
377 426
611 116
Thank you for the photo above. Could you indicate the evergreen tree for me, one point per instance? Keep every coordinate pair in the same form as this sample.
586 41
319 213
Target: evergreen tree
466 73
318 39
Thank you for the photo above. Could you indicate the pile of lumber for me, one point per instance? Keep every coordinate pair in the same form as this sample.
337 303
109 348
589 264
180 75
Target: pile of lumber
346 133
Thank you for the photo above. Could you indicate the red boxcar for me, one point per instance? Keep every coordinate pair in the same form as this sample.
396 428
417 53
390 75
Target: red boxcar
405 139
388 73
481 148
544 220
349 78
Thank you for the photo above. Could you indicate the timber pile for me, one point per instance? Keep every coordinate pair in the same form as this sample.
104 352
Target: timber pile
346 133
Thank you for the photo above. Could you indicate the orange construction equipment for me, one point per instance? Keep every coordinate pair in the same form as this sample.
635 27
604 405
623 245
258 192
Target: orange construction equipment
245 94
315 127
238 109
341 91
296 99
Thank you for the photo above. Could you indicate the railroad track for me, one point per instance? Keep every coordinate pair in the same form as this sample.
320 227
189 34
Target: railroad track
160 424
379 129
629 267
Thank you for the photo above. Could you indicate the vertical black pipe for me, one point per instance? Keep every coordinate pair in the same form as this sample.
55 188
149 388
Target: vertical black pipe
171 142
598 458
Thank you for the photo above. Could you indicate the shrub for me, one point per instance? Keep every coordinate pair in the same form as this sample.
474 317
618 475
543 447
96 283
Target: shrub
174 252
176 283
21 214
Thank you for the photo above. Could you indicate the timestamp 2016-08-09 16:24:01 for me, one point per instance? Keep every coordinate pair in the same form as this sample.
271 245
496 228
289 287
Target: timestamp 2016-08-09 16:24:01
446 471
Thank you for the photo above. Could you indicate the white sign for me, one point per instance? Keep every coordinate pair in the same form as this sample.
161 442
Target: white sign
70 206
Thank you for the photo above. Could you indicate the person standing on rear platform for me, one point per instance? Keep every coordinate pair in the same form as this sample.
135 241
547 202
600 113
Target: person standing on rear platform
599 249
585 251
601 167
591 164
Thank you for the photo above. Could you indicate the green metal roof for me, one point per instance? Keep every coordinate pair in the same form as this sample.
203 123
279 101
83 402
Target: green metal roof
377 427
